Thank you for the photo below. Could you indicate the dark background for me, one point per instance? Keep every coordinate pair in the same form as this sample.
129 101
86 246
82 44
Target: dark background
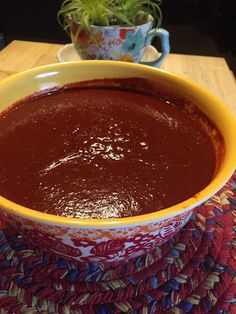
201 27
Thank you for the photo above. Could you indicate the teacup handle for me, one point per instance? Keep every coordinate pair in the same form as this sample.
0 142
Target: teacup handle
163 34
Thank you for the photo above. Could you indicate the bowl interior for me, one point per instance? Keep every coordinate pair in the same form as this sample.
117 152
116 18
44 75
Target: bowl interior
29 82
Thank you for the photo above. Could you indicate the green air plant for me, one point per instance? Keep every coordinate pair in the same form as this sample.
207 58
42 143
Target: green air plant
108 13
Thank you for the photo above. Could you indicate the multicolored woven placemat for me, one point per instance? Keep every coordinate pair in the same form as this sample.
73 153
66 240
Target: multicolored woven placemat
195 272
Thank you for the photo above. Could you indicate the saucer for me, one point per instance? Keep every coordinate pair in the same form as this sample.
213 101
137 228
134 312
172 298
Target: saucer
68 53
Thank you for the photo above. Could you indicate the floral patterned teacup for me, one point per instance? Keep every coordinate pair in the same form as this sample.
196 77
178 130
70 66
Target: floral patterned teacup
119 43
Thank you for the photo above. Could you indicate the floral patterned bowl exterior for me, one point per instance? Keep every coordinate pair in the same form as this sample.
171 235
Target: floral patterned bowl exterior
119 43
117 239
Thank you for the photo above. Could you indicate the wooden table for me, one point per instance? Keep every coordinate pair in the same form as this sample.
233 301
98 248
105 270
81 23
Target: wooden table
211 72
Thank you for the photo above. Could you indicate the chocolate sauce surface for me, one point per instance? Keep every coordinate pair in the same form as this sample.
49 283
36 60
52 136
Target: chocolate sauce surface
102 153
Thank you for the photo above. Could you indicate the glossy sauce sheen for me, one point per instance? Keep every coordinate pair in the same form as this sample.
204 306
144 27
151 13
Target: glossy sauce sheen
102 153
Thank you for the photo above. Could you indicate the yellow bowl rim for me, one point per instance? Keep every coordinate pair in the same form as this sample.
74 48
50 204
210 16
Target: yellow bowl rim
213 187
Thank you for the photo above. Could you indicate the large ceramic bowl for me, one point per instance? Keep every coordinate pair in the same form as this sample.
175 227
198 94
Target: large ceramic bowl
112 240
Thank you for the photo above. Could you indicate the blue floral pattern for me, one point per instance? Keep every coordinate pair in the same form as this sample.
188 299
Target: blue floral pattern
133 44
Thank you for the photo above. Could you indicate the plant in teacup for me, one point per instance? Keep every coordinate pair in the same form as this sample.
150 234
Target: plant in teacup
114 29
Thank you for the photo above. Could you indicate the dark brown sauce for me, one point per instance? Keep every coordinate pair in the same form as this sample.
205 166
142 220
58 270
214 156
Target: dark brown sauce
102 152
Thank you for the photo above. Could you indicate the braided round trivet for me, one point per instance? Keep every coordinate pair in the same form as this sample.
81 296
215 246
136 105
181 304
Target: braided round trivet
194 272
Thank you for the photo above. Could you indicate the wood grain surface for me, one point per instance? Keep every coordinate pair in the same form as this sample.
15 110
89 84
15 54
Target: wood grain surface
210 72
